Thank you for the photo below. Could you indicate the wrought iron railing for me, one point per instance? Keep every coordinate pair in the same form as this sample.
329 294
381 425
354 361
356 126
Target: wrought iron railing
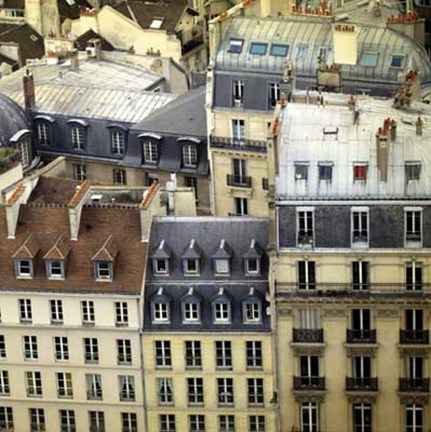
362 384
414 385
308 383
238 180
414 336
361 336
238 143
308 335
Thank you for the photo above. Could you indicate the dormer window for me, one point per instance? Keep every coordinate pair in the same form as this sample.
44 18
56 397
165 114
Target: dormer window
190 156
252 266
191 266
24 258
22 142
161 266
77 136
44 133
221 266
252 308
252 259
221 259
55 259
160 258
150 151
24 268
103 271
104 261
235 46
191 259
191 308
222 308
118 142
160 308
55 269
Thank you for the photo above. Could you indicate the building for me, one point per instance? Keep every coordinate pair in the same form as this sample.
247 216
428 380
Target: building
350 222
208 358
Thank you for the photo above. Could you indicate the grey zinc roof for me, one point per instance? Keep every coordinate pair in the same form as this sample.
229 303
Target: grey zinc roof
187 116
303 139
12 120
103 90
316 33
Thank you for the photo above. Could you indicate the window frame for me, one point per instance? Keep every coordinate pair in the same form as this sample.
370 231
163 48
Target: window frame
33 383
20 266
55 264
256 311
150 148
360 176
258 48
103 271
160 311
163 354
225 391
64 385
362 237
308 283
403 59
61 348
223 354
118 142
30 347
156 269
254 354
127 388
417 231
189 155
222 311
255 391
121 310
193 316
366 55
56 311
124 352
412 171
91 350
94 386
325 171
235 45
25 308
275 47
44 130
165 391
4 383
88 315
78 137
193 354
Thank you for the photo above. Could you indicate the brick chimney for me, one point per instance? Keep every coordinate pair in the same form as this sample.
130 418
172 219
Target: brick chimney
74 60
29 92
382 144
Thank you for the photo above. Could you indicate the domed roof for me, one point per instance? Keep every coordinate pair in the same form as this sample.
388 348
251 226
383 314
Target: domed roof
12 119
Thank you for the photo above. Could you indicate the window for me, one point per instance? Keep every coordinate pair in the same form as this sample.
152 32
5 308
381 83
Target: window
2 347
258 48
64 385
78 138
414 320
33 384
197 423
167 423
360 226
126 385
256 423
301 171
156 23
67 421
309 417
306 275
369 59
226 423
222 312
94 386
30 348
4 383
413 226
80 172
253 351
221 266
24 268
415 369
121 314
55 269
273 94
25 311
165 391
361 325
361 368
97 421
124 351
191 266
414 418
239 173
223 354
44 133
360 275
235 46
191 182
129 422
161 266
322 55
413 170
6 418
238 129
252 266
37 420
150 152
103 271
252 311
120 176
118 142
255 391
161 313
325 172
193 354
238 93
305 227
87 312
61 348
195 391
191 311
362 420
414 276
190 156
279 50
91 350
56 311
163 354
225 391
397 61
360 172
240 206
25 149
301 52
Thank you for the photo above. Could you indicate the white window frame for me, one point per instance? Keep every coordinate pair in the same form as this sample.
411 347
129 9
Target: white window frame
24 268
417 230
191 311
222 312
238 129
225 391
161 312
55 269
67 421
221 266
78 137
121 314
193 352
87 312
64 385
415 409
120 176
359 240
80 172
308 409
61 348
254 354
124 352
416 168
190 155
33 381
6 418
167 422
415 285
163 354
160 270
56 309
126 385
150 151
104 271
30 347
25 308
4 383
249 271
37 419
94 386
191 271
118 142
252 311
226 423
274 94
91 350
96 420
195 391
307 284
238 93
362 408
165 391
303 215
129 422
256 423
223 350
364 277
44 133
3 350
255 391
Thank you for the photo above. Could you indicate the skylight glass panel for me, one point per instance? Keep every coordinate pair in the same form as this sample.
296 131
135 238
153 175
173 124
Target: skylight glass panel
156 23
369 59
302 51
235 46
397 61
279 50
258 48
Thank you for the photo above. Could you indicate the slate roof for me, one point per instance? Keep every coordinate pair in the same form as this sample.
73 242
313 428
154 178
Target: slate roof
71 10
12 119
14 4
82 41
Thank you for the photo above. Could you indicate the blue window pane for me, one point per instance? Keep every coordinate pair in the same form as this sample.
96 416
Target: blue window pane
397 61
302 52
279 50
369 59
258 48
235 46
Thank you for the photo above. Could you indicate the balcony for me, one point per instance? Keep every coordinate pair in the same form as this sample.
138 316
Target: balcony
238 180
421 385
362 384
416 337
241 144
367 336
308 335
309 383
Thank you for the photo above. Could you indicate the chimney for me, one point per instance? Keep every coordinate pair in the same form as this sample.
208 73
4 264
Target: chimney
29 93
382 144
351 103
74 60
419 126
94 49
393 130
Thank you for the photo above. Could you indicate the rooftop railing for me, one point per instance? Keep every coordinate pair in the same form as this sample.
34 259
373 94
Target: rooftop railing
238 143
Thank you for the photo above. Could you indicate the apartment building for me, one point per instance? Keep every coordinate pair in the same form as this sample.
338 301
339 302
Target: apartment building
207 359
352 270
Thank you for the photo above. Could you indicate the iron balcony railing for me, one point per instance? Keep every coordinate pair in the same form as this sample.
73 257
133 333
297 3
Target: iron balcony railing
362 384
238 180
308 335
238 143
414 336
361 336
414 385
308 383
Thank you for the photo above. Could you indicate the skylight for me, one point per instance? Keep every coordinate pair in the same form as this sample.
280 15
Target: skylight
279 50
235 46
302 51
397 61
156 23
369 59
258 48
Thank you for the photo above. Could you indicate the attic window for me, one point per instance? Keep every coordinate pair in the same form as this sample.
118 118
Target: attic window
302 51
360 172
221 266
34 38
325 171
279 50
413 170
235 46
397 61
369 59
258 48
221 258
103 271
156 23
24 268
191 266
330 130
55 269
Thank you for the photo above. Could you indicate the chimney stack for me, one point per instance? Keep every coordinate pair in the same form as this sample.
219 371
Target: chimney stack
74 60
382 144
393 130
419 126
29 92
